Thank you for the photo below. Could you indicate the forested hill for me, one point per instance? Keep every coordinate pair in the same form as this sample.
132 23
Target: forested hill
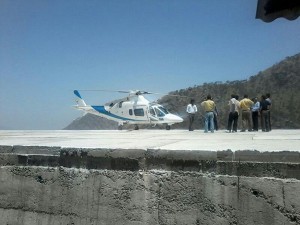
282 81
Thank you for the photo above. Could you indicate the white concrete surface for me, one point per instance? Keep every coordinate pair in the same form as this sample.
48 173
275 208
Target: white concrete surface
276 140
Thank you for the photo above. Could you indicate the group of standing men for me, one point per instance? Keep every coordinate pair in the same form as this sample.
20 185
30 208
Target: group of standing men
250 110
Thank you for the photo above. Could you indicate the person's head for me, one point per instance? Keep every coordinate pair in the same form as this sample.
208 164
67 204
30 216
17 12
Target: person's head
263 97
245 96
268 95
254 99
208 97
192 101
236 97
233 95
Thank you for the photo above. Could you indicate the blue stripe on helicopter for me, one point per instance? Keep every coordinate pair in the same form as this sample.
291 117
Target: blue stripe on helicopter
102 110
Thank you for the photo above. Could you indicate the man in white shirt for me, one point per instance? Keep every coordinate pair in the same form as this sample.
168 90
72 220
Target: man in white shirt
234 106
191 109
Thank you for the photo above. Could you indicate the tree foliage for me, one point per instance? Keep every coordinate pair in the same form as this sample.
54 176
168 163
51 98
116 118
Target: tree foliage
282 81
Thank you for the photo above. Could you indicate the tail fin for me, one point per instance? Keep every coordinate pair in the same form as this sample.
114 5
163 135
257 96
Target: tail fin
79 100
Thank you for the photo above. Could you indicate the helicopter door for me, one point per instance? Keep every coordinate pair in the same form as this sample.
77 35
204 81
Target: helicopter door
140 113
152 114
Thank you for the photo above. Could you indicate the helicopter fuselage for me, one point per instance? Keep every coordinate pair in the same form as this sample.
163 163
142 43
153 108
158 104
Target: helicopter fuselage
135 109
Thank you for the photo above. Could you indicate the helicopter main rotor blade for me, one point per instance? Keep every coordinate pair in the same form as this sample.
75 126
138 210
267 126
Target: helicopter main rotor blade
136 92
105 90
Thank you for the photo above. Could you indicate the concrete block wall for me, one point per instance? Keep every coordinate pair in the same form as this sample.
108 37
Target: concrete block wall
137 187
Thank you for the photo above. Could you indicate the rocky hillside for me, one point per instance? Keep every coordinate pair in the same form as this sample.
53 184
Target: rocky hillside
92 122
282 81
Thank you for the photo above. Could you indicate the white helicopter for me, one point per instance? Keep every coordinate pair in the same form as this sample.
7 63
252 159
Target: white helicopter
134 109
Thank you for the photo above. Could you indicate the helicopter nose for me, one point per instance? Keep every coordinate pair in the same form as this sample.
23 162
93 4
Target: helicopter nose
179 119
174 118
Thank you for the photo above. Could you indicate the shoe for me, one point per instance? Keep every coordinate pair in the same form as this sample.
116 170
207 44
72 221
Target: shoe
228 131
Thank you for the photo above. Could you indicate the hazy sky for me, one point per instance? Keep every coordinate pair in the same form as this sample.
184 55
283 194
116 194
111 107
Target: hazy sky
48 48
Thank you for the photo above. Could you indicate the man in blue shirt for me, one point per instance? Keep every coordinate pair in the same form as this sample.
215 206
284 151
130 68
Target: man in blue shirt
255 110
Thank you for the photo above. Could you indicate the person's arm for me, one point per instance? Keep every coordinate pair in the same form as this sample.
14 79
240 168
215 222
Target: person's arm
216 110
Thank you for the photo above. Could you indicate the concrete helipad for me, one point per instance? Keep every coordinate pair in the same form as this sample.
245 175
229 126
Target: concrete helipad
276 140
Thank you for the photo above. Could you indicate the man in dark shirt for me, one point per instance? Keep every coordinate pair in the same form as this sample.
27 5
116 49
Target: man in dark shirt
264 112
268 98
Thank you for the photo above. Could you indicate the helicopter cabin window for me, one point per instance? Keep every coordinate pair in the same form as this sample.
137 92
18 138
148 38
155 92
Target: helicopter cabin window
130 112
120 104
139 112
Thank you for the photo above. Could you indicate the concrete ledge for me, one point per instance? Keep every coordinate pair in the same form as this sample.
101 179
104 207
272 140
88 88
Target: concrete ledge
118 153
240 163
250 155
45 150
29 160
182 154
259 169
176 160
90 162
8 159
6 149
256 156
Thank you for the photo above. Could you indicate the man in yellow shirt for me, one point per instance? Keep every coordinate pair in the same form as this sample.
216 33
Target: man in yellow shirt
245 105
208 105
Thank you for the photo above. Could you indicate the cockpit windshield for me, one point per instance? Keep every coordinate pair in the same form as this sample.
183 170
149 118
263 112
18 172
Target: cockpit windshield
158 111
165 111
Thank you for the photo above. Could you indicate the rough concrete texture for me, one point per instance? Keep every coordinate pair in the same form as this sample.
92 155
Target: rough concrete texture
103 187
50 196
